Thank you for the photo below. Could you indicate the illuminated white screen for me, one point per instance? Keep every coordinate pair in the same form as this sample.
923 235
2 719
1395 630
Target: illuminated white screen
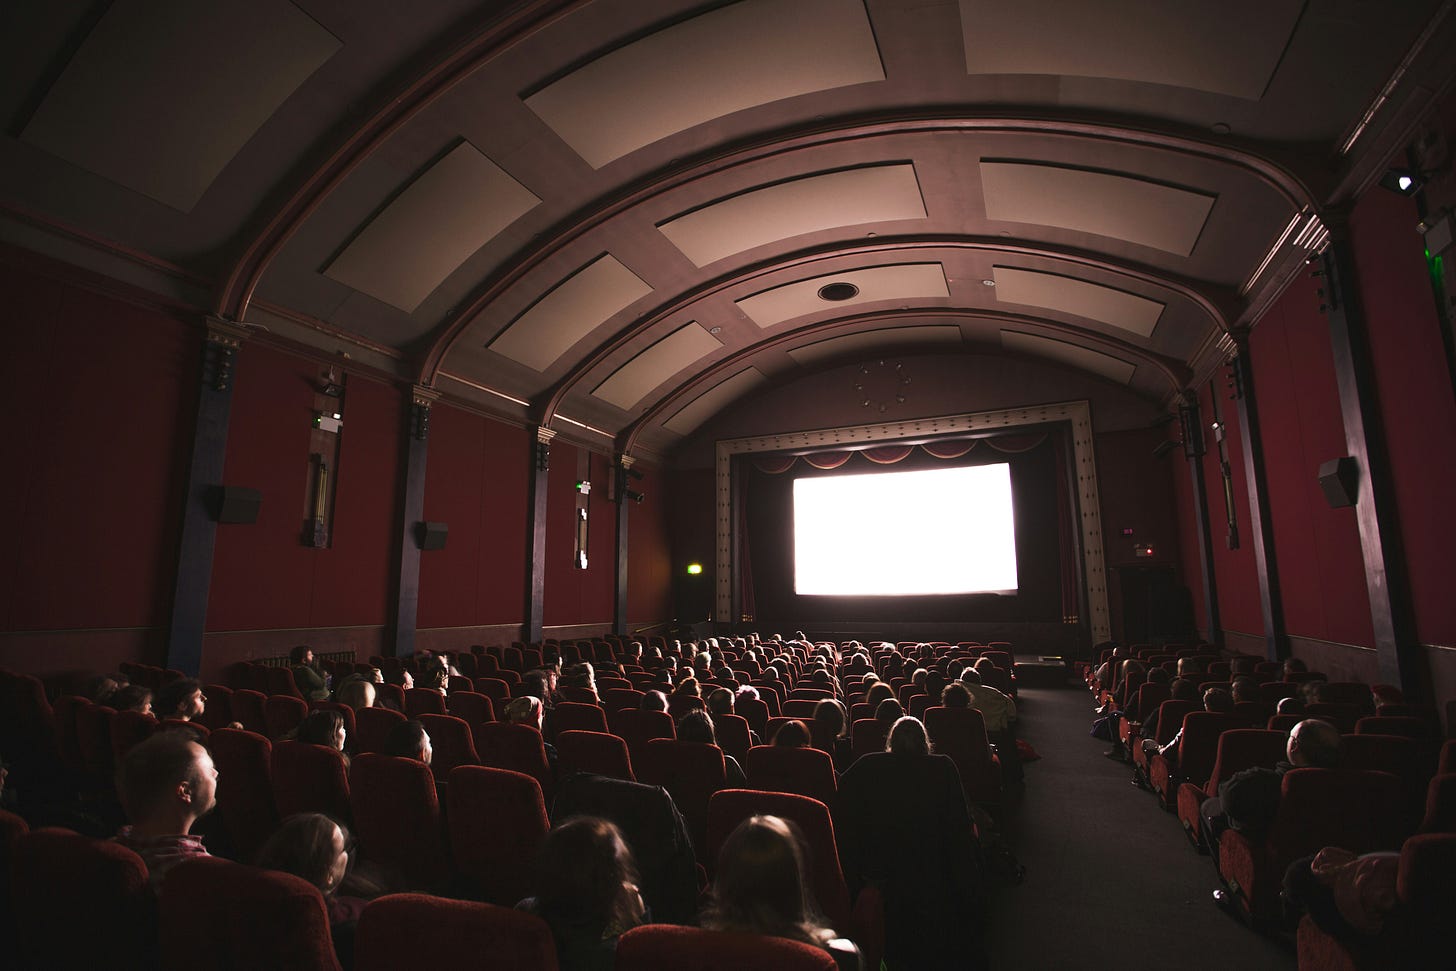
900 533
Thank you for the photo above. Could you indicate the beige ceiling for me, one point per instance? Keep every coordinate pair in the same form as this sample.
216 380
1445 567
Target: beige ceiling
541 209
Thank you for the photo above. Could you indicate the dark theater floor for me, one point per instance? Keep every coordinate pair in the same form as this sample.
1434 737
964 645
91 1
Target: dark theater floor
1111 880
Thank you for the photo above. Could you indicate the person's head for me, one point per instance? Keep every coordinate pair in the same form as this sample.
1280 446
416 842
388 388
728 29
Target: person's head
970 676
877 693
1189 667
745 691
720 701
1311 692
585 873
1245 689
1294 665
358 694
792 734
1183 690
103 689
1219 700
1313 743
167 780
907 737
400 677
830 718
133 697
525 710
888 712
955 695
323 728
182 698
696 726
375 675
1290 706
653 701
302 654
918 678
409 740
311 846
1159 675
435 677
688 686
761 885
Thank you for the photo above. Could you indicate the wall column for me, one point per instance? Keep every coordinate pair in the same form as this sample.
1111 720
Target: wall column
199 528
412 512
1194 448
536 531
619 616
1401 659
1261 525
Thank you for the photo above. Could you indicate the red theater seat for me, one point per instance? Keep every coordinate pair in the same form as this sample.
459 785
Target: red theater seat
662 947
452 741
309 779
374 726
282 713
596 752
497 820
410 930
961 734
423 701
1239 749
805 771
397 819
1194 757
244 788
248 709
638 727
573 716
519 748
690 771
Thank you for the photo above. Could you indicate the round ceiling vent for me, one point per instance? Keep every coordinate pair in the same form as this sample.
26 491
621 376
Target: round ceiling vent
838 291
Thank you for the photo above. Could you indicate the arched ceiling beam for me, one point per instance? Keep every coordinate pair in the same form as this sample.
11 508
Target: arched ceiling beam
1174 372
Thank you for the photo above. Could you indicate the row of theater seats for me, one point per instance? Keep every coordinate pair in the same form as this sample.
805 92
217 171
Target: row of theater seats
216 914
1394 789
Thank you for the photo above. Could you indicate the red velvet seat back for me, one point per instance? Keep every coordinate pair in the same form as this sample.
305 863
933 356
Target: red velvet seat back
248 708
961 734
729 807
867 735
373 727
1447 760
64 710
690 771
575 716
638 727
615 699
409 930
280 682
519 748
665 947
474 707
79 903
733 734
397 820
309 779
1440 813
804 771
1409 727
1198 749
128 729
1342 715
219 711
1147 700
93 739
452 741
597 752
497 821
244 788
282 713
497 690
679 705
217 915
423 701
1369 816
1244 748
390 696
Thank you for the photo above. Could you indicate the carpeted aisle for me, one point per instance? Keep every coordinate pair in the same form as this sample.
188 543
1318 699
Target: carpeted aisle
1111 880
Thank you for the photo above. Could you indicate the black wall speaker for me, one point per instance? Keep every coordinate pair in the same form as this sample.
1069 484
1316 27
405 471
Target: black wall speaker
235 504
1340 480
431 536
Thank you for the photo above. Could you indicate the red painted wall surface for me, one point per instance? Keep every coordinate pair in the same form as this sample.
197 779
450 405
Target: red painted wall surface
1416 401
97 398
1321 572
1189 558
575 596
1238 581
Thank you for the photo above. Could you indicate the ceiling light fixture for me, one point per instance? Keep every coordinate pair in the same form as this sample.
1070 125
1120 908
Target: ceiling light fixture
836 292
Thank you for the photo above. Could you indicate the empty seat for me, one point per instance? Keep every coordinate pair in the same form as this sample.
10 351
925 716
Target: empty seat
597 752
618 698
309 779
661 947
216 914
423 701
244 788
282 713
638 727
572 716
497 820
409 930
397 820
1409 727
805 771
280 682
733 734
474 707
1440 814
373 726
867 735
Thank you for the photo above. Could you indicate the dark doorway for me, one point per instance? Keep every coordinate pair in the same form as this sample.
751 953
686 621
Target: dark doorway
1155 607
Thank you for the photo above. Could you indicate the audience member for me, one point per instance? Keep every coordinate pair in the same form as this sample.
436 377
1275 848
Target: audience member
409 740
166 784
133 697
324 728
792 734
181 699
1248 800
315 848
312 683
720 701
831 732
888 712
697 726
357 694
653 701
586 891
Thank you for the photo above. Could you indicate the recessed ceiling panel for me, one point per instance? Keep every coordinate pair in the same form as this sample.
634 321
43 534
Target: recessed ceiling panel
457 206
1233 53
853 197
735 57
1118 206
163 93
1120 309
707 404
576 307
1112 368
630 383
916 282
867 340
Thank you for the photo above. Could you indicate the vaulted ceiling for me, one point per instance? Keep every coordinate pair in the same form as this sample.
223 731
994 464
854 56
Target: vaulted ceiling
617 217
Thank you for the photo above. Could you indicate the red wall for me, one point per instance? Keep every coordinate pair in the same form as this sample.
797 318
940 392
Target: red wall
1416 401
576 596
1136 491
97 398
1237 578
1188 553
1321 570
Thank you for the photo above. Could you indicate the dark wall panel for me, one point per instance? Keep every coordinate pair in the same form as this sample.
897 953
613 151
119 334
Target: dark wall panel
650 564
501 590
454 494
1136 490
1416 399
1189 557
1238 580
563 580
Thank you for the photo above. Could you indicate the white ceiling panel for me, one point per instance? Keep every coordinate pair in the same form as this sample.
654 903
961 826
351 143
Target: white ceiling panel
1117 308
457 206
163 93
852 197
707 404
915 282
631 382
1112 368
576 307
738 56
1233 52
929 334
1117 206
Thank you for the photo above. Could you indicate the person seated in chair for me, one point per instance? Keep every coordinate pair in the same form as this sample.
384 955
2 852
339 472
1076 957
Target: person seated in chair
133 697
1248 800
528 710
409 740
697 726
1214 699
312 684
181 699
166 783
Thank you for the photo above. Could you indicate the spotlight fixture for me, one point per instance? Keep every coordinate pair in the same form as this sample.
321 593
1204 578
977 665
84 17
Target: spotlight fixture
1405 182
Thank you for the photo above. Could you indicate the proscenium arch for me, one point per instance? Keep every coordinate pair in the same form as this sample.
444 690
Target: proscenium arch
797 138
1179 286
1077 413
1174 372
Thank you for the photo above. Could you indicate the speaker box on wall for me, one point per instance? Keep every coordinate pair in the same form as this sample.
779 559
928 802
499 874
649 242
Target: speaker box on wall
1340 480
431 536
235 504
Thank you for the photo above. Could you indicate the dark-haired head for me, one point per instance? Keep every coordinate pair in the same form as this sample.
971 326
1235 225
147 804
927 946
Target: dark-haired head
309 845
696 726
888 712
908 737
323 728
761 885
792 734
179 699
409 740
830 719
585 874
955 695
